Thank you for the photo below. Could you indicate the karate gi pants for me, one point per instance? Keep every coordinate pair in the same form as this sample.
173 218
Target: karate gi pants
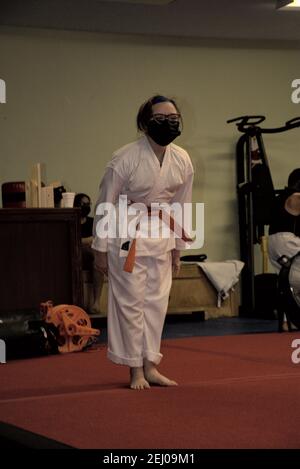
137 306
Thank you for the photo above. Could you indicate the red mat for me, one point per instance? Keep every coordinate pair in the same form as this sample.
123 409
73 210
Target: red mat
234 392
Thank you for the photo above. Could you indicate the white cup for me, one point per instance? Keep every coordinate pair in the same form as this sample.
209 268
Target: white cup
67 199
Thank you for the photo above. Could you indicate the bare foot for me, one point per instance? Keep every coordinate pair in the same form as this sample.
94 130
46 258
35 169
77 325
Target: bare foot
153 376
137 379
285 327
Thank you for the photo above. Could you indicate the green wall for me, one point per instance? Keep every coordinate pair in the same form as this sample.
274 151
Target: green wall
72 99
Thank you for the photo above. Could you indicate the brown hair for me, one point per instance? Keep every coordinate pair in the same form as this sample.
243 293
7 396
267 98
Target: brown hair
145 111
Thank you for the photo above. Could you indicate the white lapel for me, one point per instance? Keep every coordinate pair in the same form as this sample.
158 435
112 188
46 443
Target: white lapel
162 171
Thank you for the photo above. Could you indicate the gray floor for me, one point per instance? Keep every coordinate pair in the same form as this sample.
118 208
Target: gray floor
192 326
219 326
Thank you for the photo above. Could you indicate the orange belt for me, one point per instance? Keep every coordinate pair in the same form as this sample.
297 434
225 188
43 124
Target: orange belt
130 259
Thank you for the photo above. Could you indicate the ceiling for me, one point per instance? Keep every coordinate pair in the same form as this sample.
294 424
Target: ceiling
217 19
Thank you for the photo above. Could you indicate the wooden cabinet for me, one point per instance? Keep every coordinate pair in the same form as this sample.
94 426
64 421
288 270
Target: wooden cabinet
192 291
40 257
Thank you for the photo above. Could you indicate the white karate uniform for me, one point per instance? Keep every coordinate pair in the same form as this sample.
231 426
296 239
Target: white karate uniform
138 301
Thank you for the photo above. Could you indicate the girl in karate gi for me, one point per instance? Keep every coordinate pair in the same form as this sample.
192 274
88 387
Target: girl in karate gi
149 171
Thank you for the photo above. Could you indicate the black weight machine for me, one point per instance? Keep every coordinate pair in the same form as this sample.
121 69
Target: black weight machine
256 196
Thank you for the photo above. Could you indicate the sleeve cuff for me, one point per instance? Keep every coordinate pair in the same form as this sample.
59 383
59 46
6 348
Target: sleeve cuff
99 245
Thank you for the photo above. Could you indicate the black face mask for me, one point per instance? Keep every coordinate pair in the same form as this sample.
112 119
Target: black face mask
85 210
163 133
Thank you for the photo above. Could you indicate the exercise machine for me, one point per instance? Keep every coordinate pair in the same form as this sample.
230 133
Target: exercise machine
256 195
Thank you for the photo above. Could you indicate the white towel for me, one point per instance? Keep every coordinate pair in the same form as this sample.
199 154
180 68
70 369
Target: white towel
223 275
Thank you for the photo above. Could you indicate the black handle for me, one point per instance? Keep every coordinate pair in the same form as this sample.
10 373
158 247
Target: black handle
295 120
194 258
246 120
